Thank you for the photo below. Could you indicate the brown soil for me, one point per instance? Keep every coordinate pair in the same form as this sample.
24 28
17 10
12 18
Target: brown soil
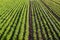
30 23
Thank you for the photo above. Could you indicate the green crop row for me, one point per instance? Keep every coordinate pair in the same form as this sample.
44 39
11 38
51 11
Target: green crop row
14 20
45 25
15 15
54 5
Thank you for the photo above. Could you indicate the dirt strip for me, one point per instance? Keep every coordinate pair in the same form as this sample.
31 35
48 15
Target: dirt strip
30 23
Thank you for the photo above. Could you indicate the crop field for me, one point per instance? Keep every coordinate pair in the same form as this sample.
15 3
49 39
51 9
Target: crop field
29 19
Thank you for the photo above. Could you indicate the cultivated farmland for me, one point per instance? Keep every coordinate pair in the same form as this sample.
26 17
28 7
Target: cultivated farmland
29 19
